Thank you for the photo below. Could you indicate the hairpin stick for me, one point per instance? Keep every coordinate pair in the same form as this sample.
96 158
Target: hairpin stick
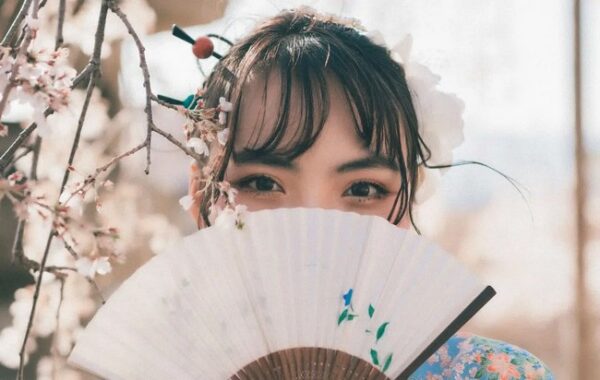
181 34
220 38
202 47
188 102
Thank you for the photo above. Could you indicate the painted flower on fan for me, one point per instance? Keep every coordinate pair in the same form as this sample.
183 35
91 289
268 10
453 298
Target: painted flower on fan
346 314
347 297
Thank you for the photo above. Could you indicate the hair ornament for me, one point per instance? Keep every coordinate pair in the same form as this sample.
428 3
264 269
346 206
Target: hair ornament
439 114
190 102
202 47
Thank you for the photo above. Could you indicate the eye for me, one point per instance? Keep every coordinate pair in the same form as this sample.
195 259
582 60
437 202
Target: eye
365 189
259 184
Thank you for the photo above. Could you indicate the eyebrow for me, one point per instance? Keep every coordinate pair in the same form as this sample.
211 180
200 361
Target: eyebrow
368 163
246 157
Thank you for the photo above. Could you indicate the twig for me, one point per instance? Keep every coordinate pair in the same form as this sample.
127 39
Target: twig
92 178
99 38
114 7
16 23
164 104
26 150
57 330
62 5
75 146
36 155
15 71
176 142
18 255
95 285
70 249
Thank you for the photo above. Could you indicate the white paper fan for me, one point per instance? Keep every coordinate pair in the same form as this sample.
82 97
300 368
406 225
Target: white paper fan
296 294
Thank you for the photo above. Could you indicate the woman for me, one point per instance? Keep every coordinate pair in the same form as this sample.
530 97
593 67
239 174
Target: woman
322 116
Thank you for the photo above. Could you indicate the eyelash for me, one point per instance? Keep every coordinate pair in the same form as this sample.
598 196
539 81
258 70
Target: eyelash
381 191
244 184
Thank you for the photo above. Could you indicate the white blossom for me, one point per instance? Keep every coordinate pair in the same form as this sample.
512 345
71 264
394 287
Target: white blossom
222 136
88 267
186 202
198 145
224 107
439 114
229 218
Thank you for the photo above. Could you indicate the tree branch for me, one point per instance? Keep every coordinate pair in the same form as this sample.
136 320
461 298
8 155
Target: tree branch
99 38
16 23
114 7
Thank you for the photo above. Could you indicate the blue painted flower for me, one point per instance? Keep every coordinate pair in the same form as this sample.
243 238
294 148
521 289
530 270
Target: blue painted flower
347 297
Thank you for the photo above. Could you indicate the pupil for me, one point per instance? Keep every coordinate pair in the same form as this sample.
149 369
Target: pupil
361 189
264 184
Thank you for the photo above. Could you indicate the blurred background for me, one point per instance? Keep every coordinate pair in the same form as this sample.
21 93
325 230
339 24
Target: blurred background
513 63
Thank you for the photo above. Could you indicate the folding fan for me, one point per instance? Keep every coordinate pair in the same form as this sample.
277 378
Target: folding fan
295 294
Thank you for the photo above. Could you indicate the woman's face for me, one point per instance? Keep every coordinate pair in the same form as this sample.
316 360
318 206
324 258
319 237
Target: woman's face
336 172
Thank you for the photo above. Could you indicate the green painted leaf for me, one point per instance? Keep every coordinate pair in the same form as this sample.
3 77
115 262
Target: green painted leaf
371 311
381 331
351 316
374 357
479 373
387 362
517 361
342 316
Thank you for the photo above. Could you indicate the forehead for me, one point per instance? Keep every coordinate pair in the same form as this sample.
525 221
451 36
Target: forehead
274 105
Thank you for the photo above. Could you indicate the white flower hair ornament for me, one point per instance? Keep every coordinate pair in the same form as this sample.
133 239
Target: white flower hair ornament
439 114
204 126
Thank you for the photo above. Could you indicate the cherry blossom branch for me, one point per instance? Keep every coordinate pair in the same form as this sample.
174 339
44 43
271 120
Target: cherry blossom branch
6 157
164 104
54 350
99 38
26 150
62 6
15 67
16 23
173 140
114 7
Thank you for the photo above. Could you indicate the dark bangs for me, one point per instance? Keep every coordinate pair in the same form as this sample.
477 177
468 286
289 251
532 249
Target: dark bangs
304 49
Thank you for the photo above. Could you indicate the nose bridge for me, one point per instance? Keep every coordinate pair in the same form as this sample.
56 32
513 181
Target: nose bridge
314 193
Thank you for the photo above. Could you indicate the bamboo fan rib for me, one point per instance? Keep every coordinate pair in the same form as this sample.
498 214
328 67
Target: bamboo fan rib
296 294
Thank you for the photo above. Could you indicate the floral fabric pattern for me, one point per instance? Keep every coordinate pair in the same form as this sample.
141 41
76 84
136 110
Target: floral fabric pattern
469 356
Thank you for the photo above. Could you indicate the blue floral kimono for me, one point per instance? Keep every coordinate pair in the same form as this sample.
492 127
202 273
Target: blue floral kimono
468 356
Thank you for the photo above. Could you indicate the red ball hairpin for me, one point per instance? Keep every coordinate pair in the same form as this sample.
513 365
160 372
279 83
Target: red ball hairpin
202 47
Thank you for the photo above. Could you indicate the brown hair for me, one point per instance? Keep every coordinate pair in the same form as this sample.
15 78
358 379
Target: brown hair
304 47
